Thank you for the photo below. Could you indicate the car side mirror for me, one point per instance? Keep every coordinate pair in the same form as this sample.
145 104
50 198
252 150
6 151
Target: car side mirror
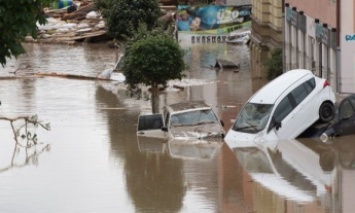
277 125
222 123
164 128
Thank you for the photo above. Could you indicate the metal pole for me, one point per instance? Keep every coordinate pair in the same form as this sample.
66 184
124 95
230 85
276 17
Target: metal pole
320 60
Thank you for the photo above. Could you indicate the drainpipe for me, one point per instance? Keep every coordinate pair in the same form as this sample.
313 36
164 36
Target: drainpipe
338 58
319 49
283 37
320 60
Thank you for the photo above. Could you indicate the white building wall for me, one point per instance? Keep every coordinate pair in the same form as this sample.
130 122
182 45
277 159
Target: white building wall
304 51
347 46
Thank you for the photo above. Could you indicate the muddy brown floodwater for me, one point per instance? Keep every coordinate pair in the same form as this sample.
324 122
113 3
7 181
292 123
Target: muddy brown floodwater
92 161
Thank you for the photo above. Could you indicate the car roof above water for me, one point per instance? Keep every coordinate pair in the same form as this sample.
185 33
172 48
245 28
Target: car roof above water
191 105
269 93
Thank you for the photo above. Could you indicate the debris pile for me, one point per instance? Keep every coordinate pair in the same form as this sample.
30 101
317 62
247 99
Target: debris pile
71 21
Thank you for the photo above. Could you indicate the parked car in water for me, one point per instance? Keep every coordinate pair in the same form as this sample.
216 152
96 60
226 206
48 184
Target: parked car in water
185 120
344 121
284 108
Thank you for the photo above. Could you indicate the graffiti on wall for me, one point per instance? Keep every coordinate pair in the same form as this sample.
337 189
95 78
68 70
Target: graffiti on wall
212 19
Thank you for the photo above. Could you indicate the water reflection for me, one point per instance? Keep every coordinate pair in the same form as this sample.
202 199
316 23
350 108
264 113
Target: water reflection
152 145
151 175
20 143
342 151
194 149
155 181
306 171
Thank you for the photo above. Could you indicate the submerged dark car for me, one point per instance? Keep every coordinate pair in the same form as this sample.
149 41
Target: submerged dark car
344 121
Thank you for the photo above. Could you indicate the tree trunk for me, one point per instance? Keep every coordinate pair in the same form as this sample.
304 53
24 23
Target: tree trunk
155 99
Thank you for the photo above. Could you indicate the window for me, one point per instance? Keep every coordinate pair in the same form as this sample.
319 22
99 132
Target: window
310 85
150 122
299 94
282 110
191 118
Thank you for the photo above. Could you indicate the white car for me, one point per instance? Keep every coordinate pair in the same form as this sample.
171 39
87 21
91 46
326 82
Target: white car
284 108
185 120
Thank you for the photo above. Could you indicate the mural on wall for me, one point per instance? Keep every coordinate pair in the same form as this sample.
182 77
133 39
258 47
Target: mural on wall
212 20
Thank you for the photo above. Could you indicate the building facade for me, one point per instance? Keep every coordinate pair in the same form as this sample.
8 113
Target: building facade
266 35
310 38
347 46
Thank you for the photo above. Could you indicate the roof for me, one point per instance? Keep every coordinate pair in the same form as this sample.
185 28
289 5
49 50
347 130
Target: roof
188 105
269 93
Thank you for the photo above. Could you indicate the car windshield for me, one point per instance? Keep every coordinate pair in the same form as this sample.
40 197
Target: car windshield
253 118
192 118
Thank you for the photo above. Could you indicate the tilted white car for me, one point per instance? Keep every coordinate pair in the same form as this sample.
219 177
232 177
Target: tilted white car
185 120
284 108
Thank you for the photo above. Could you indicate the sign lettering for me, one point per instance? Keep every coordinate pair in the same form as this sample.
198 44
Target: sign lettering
350 37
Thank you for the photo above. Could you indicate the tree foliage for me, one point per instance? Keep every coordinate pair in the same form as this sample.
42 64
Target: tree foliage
153 61
17 20
124 16
274 65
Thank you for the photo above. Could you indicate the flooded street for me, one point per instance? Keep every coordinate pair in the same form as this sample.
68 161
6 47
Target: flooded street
92 161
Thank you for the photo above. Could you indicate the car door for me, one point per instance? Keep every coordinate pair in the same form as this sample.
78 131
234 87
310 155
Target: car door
151 126
295 113
281 119
305 111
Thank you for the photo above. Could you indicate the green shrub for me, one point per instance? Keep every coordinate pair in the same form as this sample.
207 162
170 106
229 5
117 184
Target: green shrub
273 65
123 16
153 60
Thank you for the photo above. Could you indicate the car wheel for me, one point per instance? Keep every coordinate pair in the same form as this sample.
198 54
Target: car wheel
326 112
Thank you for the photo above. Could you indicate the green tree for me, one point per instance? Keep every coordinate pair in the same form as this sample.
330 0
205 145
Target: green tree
17 20
152 59
273 65
124 16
